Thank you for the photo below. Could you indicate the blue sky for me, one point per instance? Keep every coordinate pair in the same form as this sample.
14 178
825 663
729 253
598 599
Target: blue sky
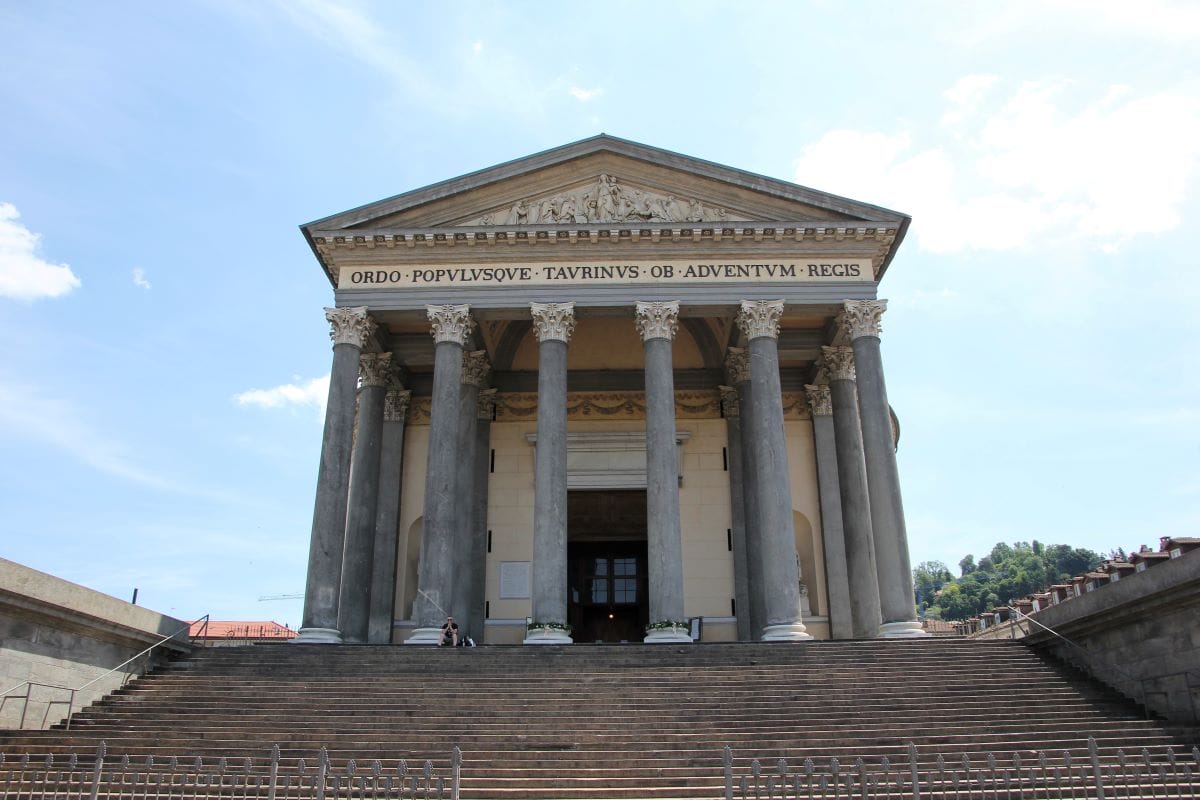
160 315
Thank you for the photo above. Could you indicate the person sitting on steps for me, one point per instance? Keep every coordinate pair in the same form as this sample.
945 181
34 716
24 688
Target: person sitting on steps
449 633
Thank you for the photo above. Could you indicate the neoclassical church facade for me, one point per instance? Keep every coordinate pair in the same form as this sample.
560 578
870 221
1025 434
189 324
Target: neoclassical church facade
608 393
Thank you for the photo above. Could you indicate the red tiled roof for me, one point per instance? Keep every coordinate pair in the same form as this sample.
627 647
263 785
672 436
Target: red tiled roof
240 629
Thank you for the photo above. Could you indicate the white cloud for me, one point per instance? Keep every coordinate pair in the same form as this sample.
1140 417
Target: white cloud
27 411
314 393
1004 169
23 274
139 278
581 94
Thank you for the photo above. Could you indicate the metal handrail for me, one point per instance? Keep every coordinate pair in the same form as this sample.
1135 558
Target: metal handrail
1089 656
71 702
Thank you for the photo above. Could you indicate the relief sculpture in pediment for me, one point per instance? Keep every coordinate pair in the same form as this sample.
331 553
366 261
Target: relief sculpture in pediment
605 201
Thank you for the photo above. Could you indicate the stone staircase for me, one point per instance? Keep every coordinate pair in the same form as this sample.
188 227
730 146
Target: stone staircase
607 721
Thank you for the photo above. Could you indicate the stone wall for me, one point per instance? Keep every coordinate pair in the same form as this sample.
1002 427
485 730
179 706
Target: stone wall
1141 634
62 634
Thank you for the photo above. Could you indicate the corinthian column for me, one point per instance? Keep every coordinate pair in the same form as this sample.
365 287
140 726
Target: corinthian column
852 482
553 323
355 597
837 579
731 410
657 323
861 319
485 409
759 321
474 374
737 370
387 514
451 325
349 329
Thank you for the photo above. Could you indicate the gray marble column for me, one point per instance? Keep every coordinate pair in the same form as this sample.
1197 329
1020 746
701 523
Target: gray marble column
354 604
731 410
861 320
737 369
387 514
350 328
852 481
553 323
477 570
474 374
657 324
451 325
837 578
759 321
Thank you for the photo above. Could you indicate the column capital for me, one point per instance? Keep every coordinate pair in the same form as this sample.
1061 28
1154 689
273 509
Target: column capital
819 399
862 317
375 369
758 318
475 368
553 320
450 323
737 365
657 320
349 325
395 403
485 404
839 361
730 406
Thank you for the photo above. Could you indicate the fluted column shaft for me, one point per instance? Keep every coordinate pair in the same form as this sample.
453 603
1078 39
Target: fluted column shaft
856 504
861 318
435 574
349 330
354 605
553 323
657 323
737 511
837 578
387 515
759 321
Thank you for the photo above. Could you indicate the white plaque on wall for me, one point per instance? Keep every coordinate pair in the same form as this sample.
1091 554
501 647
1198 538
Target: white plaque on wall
514 580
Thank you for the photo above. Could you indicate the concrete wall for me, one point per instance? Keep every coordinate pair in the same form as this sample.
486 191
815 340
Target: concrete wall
1142 635
59 633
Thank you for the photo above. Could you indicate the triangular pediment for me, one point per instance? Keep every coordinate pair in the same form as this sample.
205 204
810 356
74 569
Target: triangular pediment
604 181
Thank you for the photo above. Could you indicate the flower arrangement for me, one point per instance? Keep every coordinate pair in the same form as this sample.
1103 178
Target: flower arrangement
669 624
551 626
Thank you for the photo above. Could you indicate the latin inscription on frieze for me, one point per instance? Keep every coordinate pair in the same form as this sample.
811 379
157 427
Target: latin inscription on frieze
599 274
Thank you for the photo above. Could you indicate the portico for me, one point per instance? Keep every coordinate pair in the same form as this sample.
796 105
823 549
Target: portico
609 318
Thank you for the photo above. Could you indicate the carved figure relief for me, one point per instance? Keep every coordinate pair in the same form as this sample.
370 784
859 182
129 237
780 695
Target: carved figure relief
605 201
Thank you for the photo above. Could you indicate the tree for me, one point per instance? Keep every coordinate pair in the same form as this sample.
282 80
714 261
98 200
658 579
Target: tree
928 579
967 565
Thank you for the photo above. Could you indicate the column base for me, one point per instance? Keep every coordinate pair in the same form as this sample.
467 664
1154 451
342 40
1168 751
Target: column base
318 636
787 632
426 636
902 630
667 636
547 636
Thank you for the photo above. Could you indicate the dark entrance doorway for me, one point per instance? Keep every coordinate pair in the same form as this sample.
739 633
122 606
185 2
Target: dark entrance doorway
606 565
